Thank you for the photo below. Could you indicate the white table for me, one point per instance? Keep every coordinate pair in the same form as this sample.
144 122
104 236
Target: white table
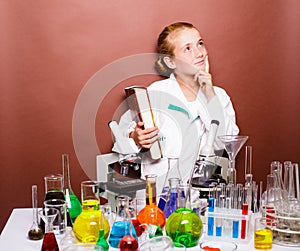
14 235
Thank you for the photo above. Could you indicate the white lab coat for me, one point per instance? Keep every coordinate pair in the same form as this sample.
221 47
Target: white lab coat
181 132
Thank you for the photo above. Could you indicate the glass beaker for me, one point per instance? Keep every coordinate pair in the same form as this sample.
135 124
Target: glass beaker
122 223
87 224
151 215
73 203
54 187
49 242
262 234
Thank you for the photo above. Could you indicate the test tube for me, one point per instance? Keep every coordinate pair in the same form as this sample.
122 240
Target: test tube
248 165
239 195
211 209
254 194
245 206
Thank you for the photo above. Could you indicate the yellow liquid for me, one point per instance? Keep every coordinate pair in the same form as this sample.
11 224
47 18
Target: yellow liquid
263 239
87 224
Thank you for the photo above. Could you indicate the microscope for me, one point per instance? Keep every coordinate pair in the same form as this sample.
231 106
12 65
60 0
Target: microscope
113 168
210 169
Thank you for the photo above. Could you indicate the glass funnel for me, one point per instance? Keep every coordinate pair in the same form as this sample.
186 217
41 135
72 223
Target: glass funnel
49 242
233 144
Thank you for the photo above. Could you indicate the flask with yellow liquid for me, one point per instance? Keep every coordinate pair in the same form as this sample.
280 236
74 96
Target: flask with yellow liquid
87 225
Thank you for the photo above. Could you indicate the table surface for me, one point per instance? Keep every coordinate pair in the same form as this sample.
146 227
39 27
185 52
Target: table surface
14 235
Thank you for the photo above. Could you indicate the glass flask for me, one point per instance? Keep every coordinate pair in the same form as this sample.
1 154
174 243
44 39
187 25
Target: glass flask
73 203
87 224
173 172
184 226
122 223
69 239
35 232
171 203
49 242
101 242
151 215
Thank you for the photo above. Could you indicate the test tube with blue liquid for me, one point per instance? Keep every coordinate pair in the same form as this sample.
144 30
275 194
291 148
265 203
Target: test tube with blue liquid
211 209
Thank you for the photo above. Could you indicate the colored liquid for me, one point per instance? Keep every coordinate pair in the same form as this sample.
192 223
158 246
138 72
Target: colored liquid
139 229
74 205
49 242
151 214
87 224
263 239
118 231
171 205
184 226
128 243
35 234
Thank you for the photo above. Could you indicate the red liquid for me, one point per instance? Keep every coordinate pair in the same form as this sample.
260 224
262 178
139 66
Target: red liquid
138 228
244 223
49 243
128 243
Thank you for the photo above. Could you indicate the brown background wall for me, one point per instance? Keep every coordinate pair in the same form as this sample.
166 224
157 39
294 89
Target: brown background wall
50 49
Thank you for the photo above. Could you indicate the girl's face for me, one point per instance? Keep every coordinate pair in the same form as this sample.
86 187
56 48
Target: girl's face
189 51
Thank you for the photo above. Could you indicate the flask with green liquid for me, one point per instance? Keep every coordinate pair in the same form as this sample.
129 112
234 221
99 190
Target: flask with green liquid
184 226
73 203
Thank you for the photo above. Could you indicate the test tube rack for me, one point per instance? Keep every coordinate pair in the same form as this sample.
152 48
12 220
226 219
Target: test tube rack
228 224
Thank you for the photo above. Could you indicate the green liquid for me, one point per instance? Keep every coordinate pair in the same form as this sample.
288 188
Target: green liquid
184 226
74 205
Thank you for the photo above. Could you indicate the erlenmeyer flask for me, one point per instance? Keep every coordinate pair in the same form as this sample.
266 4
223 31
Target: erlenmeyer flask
121 225
73 203
171 203
184 226
87 224
49 242
151 215
173 172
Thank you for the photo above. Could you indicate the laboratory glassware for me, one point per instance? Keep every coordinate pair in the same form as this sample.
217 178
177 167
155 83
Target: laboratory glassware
87 224
73 203
35 232
233 144
49 242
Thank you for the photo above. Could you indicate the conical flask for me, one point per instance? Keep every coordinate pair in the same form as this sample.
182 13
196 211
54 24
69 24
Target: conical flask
172 197
73 203
87 224
122 223
173 172
151 215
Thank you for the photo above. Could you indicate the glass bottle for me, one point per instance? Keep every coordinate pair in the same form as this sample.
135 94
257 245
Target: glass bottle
49 242
68 239
151 215
35 232
184 226
171 203
73 203
87 224
122 222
